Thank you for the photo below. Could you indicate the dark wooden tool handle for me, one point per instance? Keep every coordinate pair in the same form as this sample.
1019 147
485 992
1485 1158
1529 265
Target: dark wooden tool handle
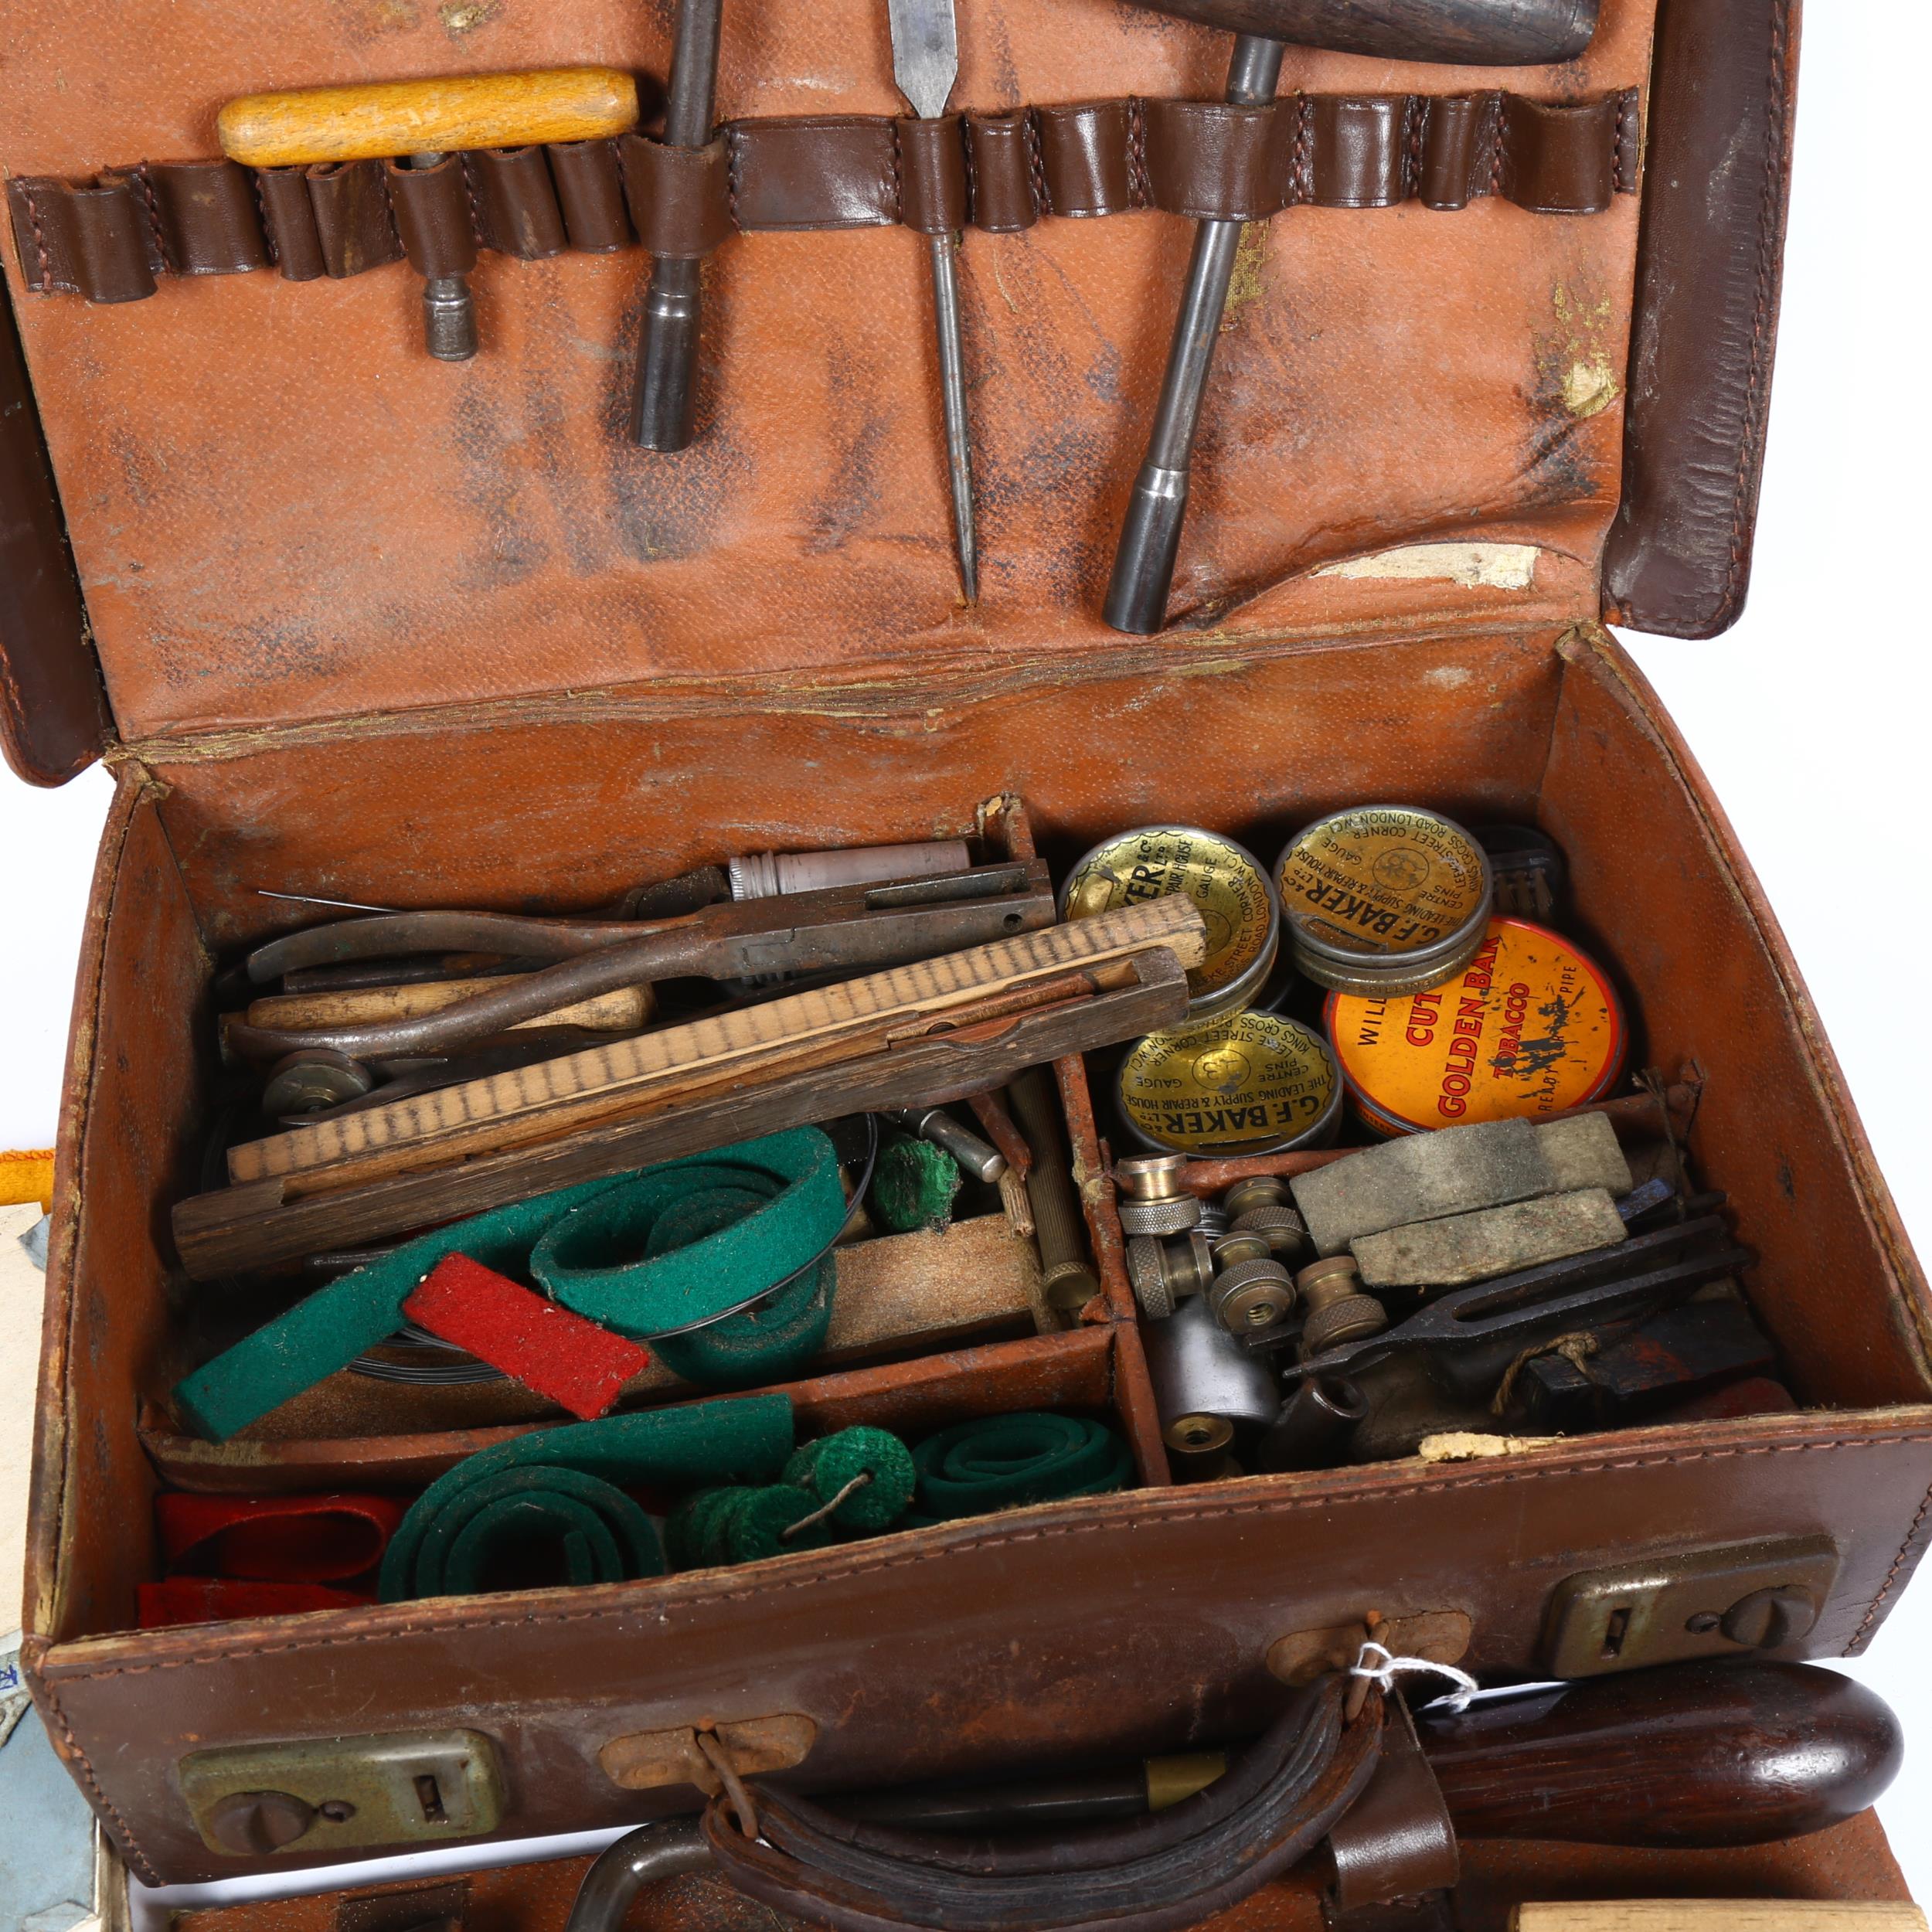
1695 1755
1479 33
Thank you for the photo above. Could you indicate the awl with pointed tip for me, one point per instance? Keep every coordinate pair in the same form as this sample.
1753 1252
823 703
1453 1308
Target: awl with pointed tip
925 67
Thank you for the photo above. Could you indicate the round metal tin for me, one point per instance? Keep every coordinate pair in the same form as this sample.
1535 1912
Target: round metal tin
1384 900
1227 882
1237 1083
1532 1026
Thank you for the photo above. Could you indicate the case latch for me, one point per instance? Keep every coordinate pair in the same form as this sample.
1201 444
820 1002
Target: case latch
317 1796
1700 1603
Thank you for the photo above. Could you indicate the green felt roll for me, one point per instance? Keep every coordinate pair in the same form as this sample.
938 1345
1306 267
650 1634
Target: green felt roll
325 1332
824 1467
679 1244
914 1186
769 1343
1005 1462
468 1522
536 1527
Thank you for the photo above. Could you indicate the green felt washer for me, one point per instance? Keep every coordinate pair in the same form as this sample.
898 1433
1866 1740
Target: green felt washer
743 1438
608 1260
769 1343
914 1186
688 1530
1006 1462
825 1467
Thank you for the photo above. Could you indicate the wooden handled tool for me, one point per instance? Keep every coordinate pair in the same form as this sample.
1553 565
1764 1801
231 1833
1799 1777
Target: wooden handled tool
1485 33
418 124
1692 1755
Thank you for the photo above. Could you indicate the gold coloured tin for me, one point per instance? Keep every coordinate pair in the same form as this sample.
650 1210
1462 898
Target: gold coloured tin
1384 900
1237 1083
1532 1026
1225 881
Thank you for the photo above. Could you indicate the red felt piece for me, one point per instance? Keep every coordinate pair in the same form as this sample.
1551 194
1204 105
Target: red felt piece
288 1539
216 1600
547 1349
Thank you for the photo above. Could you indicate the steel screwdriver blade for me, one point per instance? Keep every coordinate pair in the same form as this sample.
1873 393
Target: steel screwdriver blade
925 67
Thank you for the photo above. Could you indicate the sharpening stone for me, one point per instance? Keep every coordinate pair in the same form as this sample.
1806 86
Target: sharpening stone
1419 1179
1461 1248
1583 1152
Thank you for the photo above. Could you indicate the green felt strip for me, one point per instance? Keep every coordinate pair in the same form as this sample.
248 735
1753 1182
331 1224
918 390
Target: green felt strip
914 1186
744 1524
609 1260
1005 1462
768 1343
825 1467
438 1550
325 1332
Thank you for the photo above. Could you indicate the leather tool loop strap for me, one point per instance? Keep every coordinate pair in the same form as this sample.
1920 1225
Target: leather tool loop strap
1171 1869
1396 1841
109 238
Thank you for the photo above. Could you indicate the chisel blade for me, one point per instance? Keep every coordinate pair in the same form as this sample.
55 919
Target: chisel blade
925 53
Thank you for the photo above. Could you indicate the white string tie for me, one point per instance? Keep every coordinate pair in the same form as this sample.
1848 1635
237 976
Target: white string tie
1383 1674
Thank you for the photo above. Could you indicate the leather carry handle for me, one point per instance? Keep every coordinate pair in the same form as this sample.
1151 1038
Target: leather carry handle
1695 1755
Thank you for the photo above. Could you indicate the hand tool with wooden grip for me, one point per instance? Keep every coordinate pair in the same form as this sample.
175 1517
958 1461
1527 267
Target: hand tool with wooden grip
1482 33
419 126
1700 1755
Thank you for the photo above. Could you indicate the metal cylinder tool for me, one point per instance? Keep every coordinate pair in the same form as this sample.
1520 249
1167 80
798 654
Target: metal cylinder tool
1470 32
663 409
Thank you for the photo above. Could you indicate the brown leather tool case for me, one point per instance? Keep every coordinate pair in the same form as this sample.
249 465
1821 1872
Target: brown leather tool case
354 624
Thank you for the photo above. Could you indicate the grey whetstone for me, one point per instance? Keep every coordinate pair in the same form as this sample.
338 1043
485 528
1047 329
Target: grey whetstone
1421 1178
1583 1152
1461 1248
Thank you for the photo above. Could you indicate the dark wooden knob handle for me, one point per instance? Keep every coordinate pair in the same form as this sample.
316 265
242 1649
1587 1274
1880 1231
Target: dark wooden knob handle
1698 1754
1480 33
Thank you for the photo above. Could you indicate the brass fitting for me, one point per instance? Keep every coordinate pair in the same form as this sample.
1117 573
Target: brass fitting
1251 1289
1263 1205
1163 1272
1338 1310
1152 1199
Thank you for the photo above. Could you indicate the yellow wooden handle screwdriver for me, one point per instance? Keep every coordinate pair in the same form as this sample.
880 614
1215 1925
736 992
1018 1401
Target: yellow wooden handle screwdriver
418 124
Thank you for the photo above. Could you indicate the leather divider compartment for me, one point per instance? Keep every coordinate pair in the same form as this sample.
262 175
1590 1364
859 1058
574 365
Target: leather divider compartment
108 239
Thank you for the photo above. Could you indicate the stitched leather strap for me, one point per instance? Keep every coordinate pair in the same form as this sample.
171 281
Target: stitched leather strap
109 238
1169 1869
1396 1840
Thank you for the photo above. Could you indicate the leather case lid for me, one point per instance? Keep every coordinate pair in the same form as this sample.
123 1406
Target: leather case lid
282 510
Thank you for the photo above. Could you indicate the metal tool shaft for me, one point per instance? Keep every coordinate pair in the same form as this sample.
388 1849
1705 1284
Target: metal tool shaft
925 38
1150 538
664 408
952 379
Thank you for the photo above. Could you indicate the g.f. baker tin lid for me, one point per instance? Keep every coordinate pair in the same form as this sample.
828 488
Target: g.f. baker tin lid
1531 1026
1225 881
1383 898
1240 1083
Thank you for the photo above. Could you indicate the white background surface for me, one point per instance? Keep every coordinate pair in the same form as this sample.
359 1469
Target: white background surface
1810 717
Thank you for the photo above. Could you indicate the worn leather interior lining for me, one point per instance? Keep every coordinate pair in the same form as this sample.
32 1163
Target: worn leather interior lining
108 238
